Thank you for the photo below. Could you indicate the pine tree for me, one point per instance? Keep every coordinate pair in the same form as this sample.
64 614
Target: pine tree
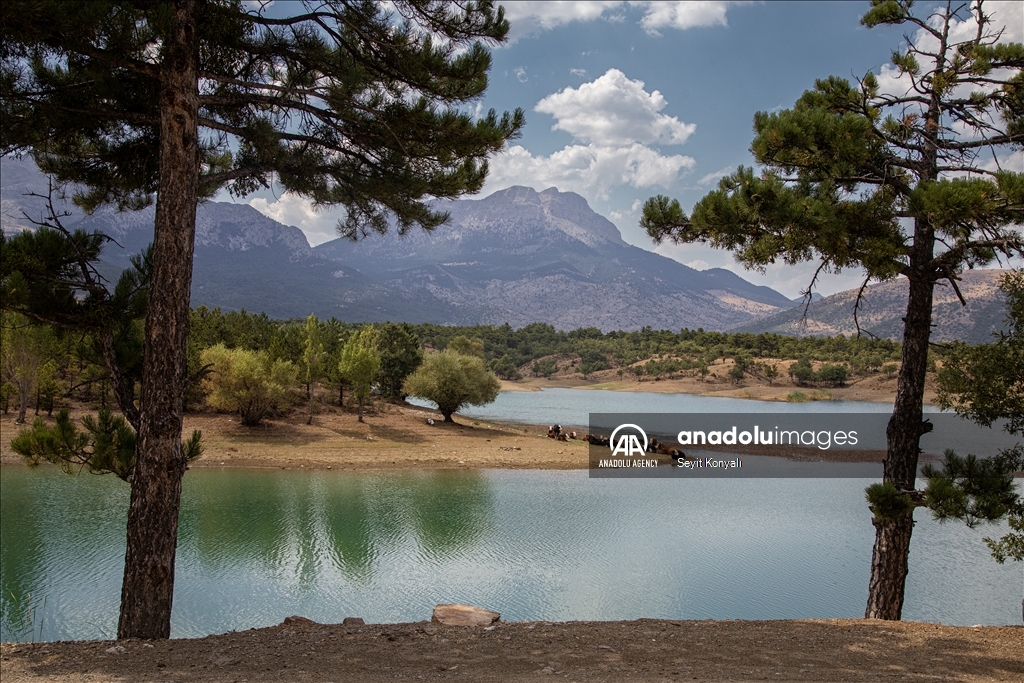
893 181
353 103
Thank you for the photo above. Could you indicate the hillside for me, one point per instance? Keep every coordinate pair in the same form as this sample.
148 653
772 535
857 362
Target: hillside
884 306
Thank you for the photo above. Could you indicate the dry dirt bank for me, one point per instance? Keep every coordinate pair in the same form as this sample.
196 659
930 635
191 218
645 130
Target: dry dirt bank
876 387
392 437
643 650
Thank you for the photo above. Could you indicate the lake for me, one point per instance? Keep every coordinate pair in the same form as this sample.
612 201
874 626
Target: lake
573 406
257 546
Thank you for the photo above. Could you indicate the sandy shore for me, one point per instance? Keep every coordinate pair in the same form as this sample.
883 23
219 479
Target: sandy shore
392 437
400 436
642 650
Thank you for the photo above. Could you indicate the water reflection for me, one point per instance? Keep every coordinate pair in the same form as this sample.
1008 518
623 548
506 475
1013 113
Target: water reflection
256 546
269 522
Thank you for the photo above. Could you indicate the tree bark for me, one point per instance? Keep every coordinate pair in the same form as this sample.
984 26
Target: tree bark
889 567
903 435
148 588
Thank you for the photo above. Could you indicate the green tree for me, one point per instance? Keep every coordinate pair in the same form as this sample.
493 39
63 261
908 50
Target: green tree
400 354
346 102
359 365
23 352
312 360
504 368
250 383
107 446
452 380
466 346
891 181
986 384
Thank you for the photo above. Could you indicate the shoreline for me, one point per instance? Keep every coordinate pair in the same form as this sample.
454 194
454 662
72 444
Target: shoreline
640 650
400 437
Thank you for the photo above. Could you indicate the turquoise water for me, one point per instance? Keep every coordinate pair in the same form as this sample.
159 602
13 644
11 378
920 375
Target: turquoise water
573 406
258 546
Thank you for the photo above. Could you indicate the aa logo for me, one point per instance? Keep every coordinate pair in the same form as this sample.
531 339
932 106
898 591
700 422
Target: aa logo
629 443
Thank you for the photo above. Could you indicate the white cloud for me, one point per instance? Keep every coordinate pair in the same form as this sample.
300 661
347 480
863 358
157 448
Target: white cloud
591 170
620 215
699 264
291 209
614 121
683 15
582 73
706 180
520 73
527 18
614 110
533 17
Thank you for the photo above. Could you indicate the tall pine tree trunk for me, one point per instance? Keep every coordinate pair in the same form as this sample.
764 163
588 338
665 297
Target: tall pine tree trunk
903 434
148 587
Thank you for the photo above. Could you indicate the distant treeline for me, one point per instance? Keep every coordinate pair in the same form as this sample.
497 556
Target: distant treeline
539 349
67 365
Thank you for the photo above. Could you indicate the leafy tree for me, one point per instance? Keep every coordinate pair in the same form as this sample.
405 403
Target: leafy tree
544 368
986 384
250 383
452 380
466 346
400 354
355 103
312 359
23 349
359 365
892 181
505 368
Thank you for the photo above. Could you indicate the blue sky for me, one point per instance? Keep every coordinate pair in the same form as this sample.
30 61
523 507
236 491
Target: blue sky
627 100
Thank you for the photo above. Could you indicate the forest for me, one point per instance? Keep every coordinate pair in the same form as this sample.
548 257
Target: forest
50 368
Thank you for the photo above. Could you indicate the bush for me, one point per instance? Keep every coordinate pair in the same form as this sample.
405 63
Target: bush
248 382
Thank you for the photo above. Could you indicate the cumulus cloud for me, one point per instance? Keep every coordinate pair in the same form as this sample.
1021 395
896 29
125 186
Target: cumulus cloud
614 110
527 18
520 73
591 170
582 73
291 209
683 15
613 121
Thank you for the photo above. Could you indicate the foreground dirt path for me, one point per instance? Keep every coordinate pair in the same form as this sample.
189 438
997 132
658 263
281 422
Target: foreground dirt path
643 650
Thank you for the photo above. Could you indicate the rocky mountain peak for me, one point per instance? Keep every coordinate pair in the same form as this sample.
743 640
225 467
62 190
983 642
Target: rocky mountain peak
567 212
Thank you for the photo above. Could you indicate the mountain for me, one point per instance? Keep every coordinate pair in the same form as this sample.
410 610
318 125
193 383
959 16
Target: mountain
885 304
521 256
517 256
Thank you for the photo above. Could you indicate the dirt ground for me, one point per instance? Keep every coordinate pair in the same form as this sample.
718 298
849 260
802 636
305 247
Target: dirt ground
391 437
643 650
399 436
